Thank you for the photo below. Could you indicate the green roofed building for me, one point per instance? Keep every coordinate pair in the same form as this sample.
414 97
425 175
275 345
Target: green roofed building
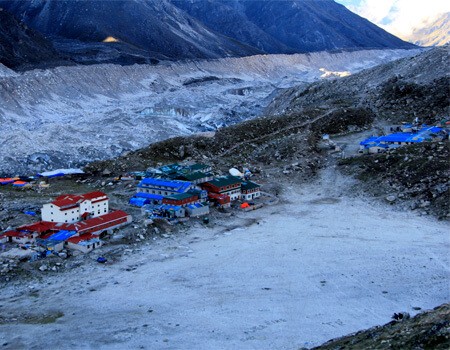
228 185
196 178
250 190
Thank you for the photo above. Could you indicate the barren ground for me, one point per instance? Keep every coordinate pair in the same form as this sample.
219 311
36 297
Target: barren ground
320 264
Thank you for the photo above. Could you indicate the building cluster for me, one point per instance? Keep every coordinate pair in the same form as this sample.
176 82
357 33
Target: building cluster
70 222
177 191
405 134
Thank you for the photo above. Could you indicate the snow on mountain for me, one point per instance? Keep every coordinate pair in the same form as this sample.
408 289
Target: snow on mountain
436 33
66 116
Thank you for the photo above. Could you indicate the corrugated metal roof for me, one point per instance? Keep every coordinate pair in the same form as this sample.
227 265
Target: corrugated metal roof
40 227
180 196
249 185
72 200
87 237
62 235
148 195
225 181
175 185
195 176
89 224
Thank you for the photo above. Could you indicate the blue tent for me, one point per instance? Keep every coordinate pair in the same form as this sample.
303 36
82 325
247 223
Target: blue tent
139 202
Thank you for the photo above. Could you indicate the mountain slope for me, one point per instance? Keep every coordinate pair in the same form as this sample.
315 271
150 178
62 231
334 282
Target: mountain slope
152 25
291 25
436 33
21 47
137 31
398 91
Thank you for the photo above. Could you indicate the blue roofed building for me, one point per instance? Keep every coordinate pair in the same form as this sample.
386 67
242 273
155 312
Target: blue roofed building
378 144
163 187
167 211
197 209
141 198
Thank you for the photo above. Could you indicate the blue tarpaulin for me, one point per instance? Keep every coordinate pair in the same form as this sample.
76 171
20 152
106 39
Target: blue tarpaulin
139 202
62 235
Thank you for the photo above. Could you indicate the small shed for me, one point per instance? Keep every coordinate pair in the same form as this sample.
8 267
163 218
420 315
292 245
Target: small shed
197 209
50 245
84 243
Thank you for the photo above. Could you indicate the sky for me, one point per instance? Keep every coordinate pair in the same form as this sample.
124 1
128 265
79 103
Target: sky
398 17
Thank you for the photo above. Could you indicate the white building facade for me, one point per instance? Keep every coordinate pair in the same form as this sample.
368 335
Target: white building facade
73 208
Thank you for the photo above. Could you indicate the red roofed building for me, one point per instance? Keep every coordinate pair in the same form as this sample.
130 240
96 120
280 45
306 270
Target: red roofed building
18 237
72 208
40 227
99 224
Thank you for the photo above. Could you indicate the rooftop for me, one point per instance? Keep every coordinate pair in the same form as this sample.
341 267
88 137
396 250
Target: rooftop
174 185
72 200
249 185
181 196
84 238
225 181
195 176
94 222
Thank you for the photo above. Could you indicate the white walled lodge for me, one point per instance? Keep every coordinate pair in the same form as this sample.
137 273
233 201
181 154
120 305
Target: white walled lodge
73 208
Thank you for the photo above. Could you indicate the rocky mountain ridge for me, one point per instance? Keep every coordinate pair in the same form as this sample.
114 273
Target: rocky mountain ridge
135 31
290 26
397 91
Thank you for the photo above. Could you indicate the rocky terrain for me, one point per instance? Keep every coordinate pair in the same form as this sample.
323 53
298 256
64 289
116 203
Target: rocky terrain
397 91
50 118
417 176
427 330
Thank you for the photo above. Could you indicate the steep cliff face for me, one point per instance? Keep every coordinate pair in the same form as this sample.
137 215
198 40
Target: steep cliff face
22 47
290 26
